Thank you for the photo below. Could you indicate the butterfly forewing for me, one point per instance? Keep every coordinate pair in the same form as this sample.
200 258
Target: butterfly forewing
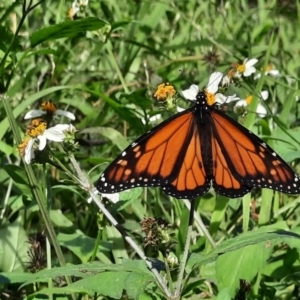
152 160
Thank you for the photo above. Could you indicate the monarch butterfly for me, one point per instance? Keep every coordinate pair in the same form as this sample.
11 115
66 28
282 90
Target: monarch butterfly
196 149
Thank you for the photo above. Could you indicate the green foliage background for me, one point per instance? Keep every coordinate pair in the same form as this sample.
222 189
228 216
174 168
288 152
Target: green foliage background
104 66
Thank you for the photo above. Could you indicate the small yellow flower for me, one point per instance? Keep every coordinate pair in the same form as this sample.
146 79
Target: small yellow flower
246 68
164 91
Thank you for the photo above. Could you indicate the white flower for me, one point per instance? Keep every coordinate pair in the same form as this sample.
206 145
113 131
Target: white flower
152 119
211 91
269 71
55 134
260 110
247 68
114 198
48 107
212 87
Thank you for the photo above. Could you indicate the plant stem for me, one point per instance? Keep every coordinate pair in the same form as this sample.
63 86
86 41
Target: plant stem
185 252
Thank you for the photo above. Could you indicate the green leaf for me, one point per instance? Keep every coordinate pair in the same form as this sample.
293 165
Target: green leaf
66 29
90 269
80 244
243 263
243 240
6 38
224 295
13 247
15 277
139 98
59 219
135 284
19 177
7 149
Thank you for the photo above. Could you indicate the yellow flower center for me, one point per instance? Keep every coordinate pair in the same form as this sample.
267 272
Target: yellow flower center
71 13
269 67
23 146
249 99
164 91
210 98
49 107
241 68
35 131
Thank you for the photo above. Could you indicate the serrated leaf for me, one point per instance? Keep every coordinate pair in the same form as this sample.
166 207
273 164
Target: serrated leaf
243 263
66 29
243 240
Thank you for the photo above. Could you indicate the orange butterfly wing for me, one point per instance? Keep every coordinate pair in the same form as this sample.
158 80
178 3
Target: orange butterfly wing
168 156
243 161
195 148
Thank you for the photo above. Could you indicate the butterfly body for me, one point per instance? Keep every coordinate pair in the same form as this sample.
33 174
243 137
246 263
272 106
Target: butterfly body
195 150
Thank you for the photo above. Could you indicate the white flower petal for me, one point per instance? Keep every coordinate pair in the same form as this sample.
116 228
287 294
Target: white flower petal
251 62
213 82
62 127
191 92
65 114
241 102
112 197
220 98
257 76
34 114
152 119
264 95
273 73
42 142
249 71
261 110
54 135
71 129
226 80
29 153
180 109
